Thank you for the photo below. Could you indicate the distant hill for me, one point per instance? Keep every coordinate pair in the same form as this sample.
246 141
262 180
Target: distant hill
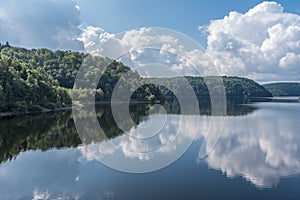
235 87
283 89
238 87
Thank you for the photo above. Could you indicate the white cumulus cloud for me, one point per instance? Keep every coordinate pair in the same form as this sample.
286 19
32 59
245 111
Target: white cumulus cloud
140 47
263 43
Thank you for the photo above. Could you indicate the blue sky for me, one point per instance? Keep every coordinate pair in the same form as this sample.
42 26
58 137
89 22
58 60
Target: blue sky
182 15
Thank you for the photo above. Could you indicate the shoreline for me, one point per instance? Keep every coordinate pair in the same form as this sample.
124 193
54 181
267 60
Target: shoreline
69 107
44 110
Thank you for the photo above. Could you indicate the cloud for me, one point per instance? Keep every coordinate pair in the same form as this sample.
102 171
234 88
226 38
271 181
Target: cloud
37 195
262 43
137 48
34 24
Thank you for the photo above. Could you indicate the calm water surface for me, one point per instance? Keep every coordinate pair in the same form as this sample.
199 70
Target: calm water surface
256 157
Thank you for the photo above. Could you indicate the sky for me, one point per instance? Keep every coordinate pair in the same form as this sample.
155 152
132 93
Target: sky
182 15
250 38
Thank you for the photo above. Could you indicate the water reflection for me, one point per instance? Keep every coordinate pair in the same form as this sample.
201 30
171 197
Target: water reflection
259 142
156 147
35 175
40 132
262 147
57 130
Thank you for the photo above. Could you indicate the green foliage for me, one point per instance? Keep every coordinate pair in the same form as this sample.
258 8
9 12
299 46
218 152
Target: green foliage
61 65
283 89
110 72
235 87
2 98
41 77
22 86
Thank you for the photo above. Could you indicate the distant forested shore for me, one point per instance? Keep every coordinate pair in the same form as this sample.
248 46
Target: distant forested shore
38 80
283 89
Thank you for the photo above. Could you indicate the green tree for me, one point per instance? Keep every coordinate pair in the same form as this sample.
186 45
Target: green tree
2 98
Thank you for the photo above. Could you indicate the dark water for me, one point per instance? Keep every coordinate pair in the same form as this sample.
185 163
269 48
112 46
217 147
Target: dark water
257 156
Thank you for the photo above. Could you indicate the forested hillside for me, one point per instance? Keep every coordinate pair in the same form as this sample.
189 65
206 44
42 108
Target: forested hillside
39 79
235 87
25 88
283 89
31 80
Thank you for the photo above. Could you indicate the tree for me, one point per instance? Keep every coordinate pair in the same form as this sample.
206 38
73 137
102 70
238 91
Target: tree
7 44
2 99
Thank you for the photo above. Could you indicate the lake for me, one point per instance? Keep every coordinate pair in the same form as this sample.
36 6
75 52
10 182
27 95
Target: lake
256 154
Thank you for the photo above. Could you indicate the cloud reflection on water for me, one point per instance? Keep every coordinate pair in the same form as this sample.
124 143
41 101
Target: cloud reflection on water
262 147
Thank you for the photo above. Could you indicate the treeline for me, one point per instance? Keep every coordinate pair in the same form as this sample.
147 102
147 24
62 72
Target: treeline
110 72
235 87
37 79
283 89
61 65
